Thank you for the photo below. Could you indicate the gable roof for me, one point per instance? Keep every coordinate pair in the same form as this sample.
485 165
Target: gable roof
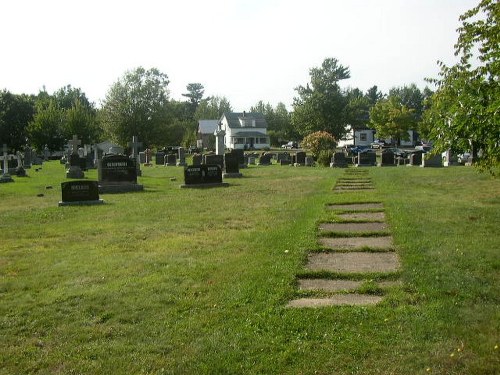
233 119
207 126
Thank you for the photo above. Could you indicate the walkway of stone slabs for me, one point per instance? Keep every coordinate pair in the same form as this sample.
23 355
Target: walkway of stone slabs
356 248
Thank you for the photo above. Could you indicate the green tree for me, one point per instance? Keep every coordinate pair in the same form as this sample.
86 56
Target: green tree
137 105
279 124
16 112
392 119
82 121
374 95
194 93
321 105
465 110
212 108
411 97
321 144
47 125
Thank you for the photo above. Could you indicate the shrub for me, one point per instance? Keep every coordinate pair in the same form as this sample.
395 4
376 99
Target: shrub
319 141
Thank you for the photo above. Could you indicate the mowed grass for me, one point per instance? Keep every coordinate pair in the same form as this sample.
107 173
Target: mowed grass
182 281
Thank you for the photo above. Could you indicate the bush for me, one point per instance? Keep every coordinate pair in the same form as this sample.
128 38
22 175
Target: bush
319 141
324 158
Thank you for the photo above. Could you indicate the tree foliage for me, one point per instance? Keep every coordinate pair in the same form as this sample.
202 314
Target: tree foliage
321 105
137 104
464 114
391 119
16 112
279 124
212 108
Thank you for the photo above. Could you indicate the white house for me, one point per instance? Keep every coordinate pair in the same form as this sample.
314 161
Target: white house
244 130
359 136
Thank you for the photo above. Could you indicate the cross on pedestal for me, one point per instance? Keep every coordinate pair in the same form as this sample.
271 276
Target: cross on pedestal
135 144
74 143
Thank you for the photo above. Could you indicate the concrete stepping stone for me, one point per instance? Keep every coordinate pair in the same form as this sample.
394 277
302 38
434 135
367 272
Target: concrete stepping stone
353 227
355 206
353 262
352 243
338 300
348 188
328 285
379 216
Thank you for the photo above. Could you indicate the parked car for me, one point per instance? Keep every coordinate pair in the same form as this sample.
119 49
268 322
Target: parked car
464 158
378 143
352 151
290 145
424 148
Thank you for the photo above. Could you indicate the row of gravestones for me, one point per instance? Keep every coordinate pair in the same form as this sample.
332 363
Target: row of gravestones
388 158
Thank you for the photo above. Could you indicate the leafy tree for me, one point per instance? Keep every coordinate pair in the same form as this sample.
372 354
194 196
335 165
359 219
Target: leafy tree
16 112
212 108
411 97
392 119
46 127
279 125
194 93
465 109
137 105
82 121
321 105
67 97
374 95
321 144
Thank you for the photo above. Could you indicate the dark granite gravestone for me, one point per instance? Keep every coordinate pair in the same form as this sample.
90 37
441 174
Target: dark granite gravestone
142 157
282 156
240 154
338 160
181 160
203 176
159 158
197 159
27 157
387 158
118 173
212 159
284 162
80 193
265 159
170 160
231 165
300 158
366 159
432 161
293 159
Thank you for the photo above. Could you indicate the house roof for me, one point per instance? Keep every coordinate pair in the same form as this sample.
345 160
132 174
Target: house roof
233 119
207 126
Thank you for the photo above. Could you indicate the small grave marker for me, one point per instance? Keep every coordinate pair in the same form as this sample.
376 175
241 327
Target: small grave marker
80 193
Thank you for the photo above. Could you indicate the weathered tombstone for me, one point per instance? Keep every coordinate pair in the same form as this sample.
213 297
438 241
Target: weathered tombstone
142 157
27 157
12 163
20 171
309 161
148 157
265 159
251 160
80 193
134 145
366 159
160 158
200 176
231 166
170 160
118 174
387 158
46 152
415 158
181 162
448 158
211 159
338 160
74 170
5 176
219 142
300 158
432 161
197 159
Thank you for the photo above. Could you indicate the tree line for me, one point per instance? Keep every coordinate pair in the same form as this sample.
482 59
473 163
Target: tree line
462 114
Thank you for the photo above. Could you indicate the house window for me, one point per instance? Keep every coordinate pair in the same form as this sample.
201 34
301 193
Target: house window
362 137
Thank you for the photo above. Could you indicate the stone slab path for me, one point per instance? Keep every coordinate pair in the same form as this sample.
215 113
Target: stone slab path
353 227
346 254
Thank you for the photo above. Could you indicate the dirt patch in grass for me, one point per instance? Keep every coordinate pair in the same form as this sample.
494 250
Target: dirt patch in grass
355 206
339 300
353 227
351 243
328 285
356 262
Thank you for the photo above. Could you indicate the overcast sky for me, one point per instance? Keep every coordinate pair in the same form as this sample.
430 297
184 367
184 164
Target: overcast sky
245 50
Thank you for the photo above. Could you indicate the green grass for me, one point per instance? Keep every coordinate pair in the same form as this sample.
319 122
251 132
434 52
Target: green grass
183 281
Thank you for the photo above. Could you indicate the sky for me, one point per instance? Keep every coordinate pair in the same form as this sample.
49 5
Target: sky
244 50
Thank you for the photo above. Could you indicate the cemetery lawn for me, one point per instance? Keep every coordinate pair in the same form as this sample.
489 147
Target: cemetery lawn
196 281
